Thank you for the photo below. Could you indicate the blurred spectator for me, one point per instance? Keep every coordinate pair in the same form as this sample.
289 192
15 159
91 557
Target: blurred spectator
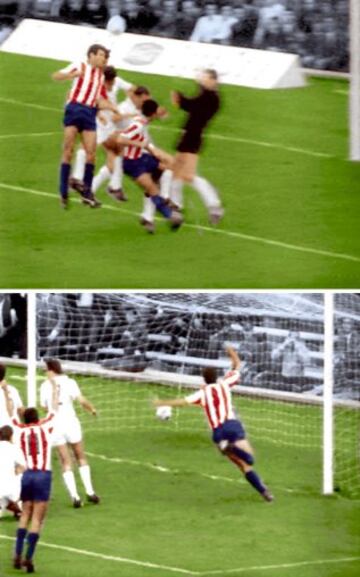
72 12
139 19
45 9
95 13
51 320
190 12
12 325
247 18
207 26
347 359
292 358
167 24
270 12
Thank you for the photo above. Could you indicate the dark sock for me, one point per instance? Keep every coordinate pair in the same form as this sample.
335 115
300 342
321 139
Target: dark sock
64 179
88 177
255 481
32 539
243 455
20 538
161 205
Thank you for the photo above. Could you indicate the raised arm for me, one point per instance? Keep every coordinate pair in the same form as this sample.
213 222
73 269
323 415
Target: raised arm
8 401
234 357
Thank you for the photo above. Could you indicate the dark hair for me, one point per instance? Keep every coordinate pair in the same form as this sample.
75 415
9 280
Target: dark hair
149 107
210 375
110 72
31 415
2 372
94 49
53 365
212 73
141 90
6 433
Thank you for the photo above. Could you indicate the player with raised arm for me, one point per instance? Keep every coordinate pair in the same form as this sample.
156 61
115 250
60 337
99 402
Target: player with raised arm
14 396
228 433
34 437
68 430
201 109
144 162
86 95
105 127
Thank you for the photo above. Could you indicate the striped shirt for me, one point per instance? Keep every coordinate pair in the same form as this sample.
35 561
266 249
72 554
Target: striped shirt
216 399
87 88
137 132
35 442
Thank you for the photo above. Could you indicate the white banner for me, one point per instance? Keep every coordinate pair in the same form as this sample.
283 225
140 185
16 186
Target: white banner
153 55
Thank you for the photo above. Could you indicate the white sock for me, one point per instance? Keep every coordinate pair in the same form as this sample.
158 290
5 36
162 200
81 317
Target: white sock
207 192
79 167
101 177
165 183
117 174
149 209
84 471
70 484
176 192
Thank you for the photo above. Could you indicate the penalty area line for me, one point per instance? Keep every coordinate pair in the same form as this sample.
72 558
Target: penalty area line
280 566
104 557
239 235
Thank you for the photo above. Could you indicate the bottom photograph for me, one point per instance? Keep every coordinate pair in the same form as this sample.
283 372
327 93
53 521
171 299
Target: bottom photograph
162 433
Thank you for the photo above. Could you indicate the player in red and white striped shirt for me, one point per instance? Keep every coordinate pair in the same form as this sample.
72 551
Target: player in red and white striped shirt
86 95
228 432
34 437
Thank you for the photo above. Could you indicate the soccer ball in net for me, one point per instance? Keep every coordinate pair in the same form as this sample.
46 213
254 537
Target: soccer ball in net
163 413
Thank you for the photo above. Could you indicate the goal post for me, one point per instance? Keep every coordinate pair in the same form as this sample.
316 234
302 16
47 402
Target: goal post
354 99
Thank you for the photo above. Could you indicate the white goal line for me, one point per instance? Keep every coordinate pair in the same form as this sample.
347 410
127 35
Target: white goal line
150 565
233 234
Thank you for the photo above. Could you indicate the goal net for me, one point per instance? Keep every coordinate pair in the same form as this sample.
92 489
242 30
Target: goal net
134 347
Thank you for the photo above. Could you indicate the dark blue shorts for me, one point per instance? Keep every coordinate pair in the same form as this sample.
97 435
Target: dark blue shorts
36 486
83 117
136 167
231 431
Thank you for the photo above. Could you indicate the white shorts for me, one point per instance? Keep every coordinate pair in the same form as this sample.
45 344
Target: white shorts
67 433
103 131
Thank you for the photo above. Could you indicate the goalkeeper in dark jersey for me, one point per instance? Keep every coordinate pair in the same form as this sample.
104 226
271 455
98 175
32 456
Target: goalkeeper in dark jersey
201 109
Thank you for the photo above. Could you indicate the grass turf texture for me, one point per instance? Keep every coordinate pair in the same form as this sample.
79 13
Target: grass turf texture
180 517
269 192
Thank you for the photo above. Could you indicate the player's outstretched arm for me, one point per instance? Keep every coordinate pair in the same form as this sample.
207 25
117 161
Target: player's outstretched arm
59 75
87 405
234 357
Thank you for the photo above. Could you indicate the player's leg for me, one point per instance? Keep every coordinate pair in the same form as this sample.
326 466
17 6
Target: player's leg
70 133
115 185
88 138
37 519
84 471
244 455
210 198
77 175
68 475
22 532
148 212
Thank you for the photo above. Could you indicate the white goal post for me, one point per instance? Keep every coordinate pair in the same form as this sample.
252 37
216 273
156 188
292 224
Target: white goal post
354 100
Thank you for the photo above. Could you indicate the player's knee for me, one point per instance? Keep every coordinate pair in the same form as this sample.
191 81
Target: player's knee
245 456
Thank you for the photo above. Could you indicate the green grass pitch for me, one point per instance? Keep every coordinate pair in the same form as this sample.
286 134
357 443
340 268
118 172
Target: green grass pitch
279 159
171 505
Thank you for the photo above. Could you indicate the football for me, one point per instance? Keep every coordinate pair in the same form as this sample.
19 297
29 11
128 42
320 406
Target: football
163 413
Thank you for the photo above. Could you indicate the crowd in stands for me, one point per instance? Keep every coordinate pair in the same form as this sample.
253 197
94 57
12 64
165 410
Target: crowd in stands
317 30
13 322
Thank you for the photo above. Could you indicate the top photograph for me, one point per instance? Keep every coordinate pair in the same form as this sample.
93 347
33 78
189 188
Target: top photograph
180 144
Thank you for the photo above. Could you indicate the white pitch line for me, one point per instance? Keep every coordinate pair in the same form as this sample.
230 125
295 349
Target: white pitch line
111 557
162 469
28 135
213 136
249 237
280 566
186 571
